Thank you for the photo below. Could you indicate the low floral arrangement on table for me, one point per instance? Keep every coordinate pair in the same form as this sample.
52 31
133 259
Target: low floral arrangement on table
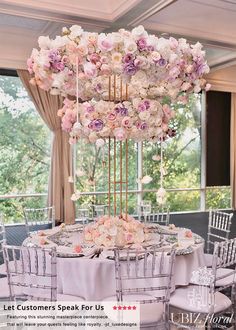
116 231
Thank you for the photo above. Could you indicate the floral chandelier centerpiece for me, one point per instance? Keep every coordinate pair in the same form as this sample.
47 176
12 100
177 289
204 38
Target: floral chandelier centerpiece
124 86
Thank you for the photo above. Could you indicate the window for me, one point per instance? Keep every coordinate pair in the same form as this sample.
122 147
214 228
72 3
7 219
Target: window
24 151
92 173
25 159
184 162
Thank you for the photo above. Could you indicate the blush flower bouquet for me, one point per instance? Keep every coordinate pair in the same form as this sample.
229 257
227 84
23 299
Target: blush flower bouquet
110 231
139 120
159 72
151 65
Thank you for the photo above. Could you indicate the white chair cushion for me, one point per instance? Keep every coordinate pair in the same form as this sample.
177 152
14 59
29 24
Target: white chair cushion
194 298
150 313
4 289
208 259
227 280
3 269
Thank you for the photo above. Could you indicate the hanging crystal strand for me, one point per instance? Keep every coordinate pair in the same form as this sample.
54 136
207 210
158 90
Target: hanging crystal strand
73 164
161 193
109 157
161 183
73 148
77 89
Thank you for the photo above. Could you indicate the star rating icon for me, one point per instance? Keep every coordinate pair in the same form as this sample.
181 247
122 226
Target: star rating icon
124 308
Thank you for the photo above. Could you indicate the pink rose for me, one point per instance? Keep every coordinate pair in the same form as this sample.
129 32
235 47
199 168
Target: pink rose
188 234
104 43
129 237
78 248
60 112
173 43
43 242
107 224
95 234
111 116
126 121
94 58
105 69
120 134
72 140
90 70
41 233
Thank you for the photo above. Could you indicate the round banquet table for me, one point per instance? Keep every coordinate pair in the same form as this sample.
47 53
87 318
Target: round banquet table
92 277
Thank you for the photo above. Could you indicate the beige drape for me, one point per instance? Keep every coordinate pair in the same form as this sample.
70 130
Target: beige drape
233 150
59 189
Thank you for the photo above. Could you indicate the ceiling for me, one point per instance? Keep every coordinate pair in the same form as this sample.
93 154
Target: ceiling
211 22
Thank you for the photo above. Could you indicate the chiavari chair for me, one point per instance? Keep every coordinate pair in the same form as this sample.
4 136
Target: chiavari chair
145 277
37 217
205 296
218 230
33 272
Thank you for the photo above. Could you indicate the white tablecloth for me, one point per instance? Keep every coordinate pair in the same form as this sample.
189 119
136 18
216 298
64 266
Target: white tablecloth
94 279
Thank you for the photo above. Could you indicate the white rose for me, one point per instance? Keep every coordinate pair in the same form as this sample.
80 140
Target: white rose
59 42
146 179
158 121
144 115
105 132
44 42
76 127
93 137
75 196
100 143
76 31
130 46
139 31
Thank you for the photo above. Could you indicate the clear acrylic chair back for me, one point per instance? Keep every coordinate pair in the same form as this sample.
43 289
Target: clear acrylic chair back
33 269
83 215
37 217
218 227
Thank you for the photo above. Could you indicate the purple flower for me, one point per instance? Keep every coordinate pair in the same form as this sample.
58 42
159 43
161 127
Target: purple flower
59 66
147 104
121 109
150 48
127 58
130 68
162 62
96 125
90 108
54 56
98 87
142 44
200 68
143 126
141 107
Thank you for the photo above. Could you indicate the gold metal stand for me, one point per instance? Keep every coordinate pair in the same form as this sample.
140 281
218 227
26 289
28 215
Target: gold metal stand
114 82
